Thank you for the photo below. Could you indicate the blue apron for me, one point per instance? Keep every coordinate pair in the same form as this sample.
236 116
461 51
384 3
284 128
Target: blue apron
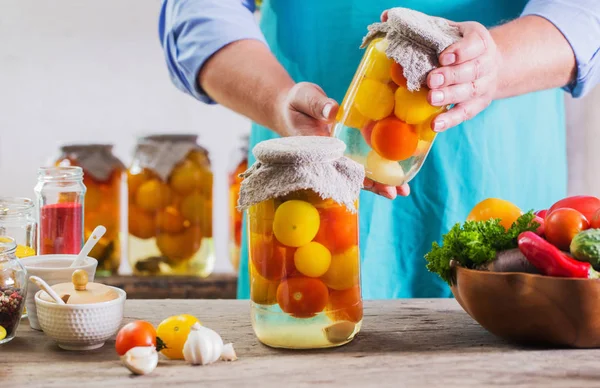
514 150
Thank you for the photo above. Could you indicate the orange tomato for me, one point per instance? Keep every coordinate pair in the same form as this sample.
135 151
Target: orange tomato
495 208
271 259
186 177
393 139
153 195
302 297
562 225
262 291
338 230
397 73
170 220
345 305
238 233
141 224
343 270
135 180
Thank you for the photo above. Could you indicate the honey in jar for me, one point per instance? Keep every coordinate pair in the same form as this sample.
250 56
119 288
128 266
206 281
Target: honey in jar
304 259
103 178
386 127
170 207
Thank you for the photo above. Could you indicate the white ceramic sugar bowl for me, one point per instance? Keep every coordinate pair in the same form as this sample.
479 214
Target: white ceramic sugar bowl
92 313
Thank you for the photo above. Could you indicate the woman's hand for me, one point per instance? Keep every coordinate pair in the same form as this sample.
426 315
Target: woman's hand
467 78
305 110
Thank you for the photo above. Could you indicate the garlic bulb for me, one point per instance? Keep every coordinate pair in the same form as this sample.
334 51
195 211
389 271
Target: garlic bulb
203 346
141 360
228 353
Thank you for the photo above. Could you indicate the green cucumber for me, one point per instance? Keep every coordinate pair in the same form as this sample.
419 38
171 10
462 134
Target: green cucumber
585 246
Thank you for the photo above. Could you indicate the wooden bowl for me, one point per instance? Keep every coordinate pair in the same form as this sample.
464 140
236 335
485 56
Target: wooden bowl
532 309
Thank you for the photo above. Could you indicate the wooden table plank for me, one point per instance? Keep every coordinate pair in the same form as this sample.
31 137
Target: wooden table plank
404 343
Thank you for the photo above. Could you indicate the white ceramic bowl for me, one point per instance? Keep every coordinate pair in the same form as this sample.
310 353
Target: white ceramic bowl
54 269
81 326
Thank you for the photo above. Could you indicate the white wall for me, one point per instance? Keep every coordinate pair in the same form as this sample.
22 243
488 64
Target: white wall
85 71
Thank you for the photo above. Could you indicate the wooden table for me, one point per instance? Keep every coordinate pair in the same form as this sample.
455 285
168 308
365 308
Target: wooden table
410 343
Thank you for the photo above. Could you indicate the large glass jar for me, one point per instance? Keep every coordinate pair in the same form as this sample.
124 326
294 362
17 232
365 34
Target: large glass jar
17 220
386 127
13 289
103 178
60 196
239 165
303 244
170 207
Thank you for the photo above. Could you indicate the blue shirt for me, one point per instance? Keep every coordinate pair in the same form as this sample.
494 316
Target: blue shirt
191 31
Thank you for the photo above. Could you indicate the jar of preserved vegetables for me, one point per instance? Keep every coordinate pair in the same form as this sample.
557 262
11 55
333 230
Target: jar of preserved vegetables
170 207
239 165
302 202
60 196
103 178
17 220
386 127
13 289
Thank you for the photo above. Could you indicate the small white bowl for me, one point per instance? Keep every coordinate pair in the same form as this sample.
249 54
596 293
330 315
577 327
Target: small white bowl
54 269
81 326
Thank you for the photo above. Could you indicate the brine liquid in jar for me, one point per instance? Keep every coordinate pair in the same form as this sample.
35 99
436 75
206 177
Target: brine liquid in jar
304 272
386 127
170 207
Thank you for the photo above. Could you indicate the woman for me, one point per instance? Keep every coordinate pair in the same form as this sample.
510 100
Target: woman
291 78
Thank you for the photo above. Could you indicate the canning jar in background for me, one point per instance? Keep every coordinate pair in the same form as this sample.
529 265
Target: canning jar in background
386 127
103 178
17 220
239 165
170 185
13 289
60 196
303 243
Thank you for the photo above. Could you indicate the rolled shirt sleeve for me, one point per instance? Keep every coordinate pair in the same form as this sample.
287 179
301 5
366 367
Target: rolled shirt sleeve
191 31
579 22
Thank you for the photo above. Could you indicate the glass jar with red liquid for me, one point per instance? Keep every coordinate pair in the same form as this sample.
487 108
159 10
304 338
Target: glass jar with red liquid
60 196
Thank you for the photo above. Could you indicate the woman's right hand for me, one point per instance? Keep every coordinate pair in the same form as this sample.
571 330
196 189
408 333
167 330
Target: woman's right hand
305 110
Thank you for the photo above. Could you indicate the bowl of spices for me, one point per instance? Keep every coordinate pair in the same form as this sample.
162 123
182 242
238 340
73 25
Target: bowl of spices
13 289
79 315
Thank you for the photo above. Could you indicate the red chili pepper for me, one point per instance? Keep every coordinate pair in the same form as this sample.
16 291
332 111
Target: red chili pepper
551 261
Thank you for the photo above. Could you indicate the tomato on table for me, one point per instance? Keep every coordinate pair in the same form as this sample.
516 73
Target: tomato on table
134 334
173 332
338 230
393 139
302 297
584 204
562 225
495 208
345 305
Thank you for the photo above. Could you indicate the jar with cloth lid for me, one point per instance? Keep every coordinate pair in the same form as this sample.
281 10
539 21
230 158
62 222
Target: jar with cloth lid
301 198
170 185
103 178
385 119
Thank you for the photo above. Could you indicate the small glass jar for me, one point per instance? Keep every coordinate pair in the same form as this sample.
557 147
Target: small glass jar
170 185
60 196
239 165
103 178
13 289
17 220
303 244
386 127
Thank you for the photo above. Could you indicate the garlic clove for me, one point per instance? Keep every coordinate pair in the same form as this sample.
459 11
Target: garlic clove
228 353
339 331
203 346
141 360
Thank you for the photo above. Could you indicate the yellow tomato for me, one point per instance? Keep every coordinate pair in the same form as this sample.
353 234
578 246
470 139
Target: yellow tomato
153 195
2 333
378 65
262 291
343 271
296 223
354 119
412 107
312 259
425 132
374 99
173 332
495 208
24 251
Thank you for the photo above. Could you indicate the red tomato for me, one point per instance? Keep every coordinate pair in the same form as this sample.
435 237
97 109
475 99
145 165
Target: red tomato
595 222
345 305
541 229
338 229
541 213
562 225
302 297
138 333
584 204
271 259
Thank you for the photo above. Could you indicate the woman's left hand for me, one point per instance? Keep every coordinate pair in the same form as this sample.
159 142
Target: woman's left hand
467 78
